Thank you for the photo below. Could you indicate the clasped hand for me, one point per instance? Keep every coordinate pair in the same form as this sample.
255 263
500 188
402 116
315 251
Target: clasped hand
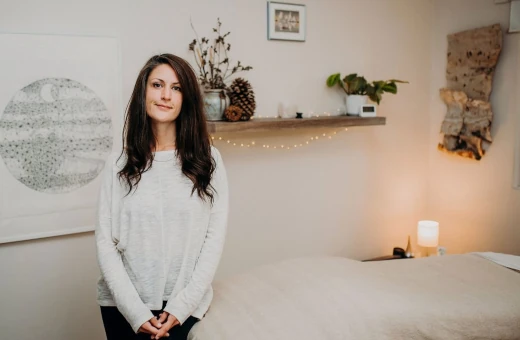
159 328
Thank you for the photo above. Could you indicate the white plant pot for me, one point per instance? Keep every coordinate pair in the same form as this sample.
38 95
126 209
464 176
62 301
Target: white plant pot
215 103
354 102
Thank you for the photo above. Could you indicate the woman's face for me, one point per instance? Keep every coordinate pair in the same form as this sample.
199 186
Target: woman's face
163 95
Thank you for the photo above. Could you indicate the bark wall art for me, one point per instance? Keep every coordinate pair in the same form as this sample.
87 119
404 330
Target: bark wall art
472 58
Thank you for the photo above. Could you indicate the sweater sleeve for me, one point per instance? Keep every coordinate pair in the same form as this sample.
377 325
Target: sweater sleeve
109 258
186 301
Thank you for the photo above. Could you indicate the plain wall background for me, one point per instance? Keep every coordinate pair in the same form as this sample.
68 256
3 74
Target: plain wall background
357 195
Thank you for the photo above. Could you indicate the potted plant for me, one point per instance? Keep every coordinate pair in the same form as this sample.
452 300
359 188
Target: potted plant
358 90
215 69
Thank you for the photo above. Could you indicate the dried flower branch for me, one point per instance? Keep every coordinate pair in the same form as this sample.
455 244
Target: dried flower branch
213 60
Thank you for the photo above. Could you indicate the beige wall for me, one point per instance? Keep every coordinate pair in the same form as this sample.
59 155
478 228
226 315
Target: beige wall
475 203
357 195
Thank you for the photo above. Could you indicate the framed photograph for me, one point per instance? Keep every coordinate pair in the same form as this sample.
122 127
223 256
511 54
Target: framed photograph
60 113
286 21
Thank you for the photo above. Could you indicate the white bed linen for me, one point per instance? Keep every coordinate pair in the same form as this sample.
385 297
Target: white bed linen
447 297
506 260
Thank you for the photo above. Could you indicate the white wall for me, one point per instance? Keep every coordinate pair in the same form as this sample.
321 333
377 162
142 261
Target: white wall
357 195
475 203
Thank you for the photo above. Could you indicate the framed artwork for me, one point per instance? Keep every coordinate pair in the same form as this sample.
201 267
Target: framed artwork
516 169
516 160
286 21
59 112
514 17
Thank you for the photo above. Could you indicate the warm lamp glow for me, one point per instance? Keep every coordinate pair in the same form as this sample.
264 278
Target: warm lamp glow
428 233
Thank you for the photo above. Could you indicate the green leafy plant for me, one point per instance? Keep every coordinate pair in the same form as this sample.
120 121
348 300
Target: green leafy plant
212 59
351 84
354 84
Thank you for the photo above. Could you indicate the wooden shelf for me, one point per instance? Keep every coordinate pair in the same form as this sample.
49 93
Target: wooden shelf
273 124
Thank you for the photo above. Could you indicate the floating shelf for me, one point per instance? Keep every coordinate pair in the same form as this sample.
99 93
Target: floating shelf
273 124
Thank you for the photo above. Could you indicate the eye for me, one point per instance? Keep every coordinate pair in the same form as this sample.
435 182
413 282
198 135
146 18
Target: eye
176 88
156 85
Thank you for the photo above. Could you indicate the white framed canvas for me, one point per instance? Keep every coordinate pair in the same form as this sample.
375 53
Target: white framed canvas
286 21
514 17
60 113
516 160
516 174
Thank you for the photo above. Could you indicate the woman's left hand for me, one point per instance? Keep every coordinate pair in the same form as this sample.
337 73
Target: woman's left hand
168 321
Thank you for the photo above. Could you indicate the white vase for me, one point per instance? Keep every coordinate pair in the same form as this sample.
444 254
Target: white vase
354 102
215 103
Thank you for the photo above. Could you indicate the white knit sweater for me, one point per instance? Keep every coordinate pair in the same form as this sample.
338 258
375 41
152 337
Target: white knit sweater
159 243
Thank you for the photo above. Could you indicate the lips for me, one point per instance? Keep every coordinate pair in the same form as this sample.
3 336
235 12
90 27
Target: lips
164 106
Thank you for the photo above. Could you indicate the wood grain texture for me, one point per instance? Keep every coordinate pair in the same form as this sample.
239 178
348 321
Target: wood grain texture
472 59
466 124
276 124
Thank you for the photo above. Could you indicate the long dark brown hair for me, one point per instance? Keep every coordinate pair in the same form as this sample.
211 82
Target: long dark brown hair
193 143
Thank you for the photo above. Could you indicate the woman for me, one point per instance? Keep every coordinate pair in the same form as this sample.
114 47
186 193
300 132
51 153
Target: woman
162 210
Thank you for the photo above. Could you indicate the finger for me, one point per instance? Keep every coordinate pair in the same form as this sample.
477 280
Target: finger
155 323
174 319
175 323
143 330
162 317
148 328
164 331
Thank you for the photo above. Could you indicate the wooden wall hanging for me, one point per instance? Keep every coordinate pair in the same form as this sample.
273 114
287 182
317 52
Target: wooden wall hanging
472 59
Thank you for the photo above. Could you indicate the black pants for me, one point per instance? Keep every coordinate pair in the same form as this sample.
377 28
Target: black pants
117 328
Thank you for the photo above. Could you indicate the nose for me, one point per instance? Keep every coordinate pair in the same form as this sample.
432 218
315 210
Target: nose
166 93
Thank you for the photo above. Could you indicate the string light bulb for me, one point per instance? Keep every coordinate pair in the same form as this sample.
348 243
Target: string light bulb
250 144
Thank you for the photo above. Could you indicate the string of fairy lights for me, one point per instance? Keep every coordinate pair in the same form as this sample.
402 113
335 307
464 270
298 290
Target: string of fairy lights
290 146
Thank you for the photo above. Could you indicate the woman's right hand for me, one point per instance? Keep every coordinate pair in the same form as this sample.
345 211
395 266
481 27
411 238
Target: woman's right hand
151 327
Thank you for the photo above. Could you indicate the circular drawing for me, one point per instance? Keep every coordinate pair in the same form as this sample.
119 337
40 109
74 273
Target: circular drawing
55 135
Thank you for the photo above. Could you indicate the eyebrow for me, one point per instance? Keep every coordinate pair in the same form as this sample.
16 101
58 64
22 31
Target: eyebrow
176 83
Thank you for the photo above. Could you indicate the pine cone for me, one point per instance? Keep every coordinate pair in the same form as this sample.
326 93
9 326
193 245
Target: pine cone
241 94
233 113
